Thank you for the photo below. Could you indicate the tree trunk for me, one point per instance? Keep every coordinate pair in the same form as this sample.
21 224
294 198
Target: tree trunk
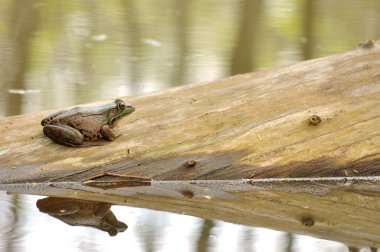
311 119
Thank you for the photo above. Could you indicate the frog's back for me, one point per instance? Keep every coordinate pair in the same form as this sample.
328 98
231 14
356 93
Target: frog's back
88 119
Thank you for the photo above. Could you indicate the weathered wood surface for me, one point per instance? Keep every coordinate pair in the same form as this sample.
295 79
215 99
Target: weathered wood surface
341 209
252 125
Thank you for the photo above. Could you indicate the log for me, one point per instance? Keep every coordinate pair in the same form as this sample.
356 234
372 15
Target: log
312 119
220 150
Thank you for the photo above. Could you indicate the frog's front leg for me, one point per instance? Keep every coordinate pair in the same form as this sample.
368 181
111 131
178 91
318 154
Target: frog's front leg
64 134
108 133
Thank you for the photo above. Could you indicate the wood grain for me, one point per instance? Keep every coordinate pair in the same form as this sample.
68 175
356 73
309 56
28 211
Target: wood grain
256 125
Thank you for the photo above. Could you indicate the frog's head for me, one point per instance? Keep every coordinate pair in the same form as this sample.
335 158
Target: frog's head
119 111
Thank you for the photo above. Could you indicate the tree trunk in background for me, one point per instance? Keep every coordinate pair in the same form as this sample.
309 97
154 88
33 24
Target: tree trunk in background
243 58
308 29
180 62
24 21
133 33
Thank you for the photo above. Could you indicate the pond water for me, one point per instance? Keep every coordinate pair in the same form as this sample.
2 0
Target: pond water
25 228
60 53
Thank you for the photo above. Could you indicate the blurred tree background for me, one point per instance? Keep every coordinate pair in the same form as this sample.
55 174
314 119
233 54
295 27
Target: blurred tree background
59 53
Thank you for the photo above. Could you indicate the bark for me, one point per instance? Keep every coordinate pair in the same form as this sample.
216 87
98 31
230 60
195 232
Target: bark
311 119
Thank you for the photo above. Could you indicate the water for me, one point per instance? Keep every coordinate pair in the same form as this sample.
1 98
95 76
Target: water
25 228
60 53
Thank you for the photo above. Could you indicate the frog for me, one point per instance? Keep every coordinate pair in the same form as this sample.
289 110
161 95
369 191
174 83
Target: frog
84 126
76 212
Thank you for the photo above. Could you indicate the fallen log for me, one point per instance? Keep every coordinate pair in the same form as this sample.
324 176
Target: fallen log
311 119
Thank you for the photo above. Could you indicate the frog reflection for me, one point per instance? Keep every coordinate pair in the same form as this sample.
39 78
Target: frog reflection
82 213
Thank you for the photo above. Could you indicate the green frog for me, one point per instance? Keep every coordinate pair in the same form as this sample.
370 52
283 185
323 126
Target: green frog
78 126
76 212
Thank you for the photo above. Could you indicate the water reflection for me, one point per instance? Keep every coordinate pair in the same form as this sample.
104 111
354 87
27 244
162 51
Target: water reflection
341 209
10 233
27 229
82 213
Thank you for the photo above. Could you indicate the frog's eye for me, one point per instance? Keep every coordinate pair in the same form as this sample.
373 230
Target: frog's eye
121 106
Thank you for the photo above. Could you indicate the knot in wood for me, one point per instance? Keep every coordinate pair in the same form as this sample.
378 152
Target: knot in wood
187 193
190 163
307 221
367 44
314 120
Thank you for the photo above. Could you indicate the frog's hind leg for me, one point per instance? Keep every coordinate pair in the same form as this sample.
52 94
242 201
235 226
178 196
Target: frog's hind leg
64 134
49 118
